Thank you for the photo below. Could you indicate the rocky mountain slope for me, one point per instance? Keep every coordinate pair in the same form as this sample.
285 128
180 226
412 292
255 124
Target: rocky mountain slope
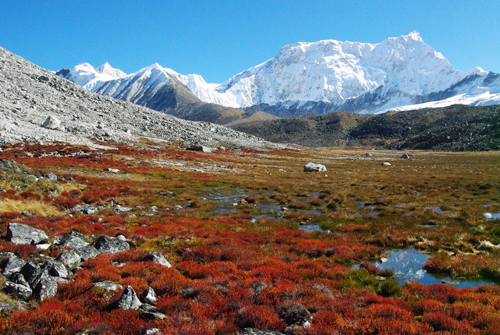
454 128
30 94
322 77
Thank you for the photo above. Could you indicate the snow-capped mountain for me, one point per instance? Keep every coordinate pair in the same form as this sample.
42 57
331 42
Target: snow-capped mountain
316 77
89 77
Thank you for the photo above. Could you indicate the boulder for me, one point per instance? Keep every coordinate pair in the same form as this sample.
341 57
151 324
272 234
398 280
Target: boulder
54 269
128 300
120 209
254 331
18 291
31 272
149 296
11 264
108 245
85 209
196 147
150 312
43 246
404 156
19 233
73 239
386 164
153 331
18 278
107 285
87 252
157 258
51 122
69 258
46 288
311 167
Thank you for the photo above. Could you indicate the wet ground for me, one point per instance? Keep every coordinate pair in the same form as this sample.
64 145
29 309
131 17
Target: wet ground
408 265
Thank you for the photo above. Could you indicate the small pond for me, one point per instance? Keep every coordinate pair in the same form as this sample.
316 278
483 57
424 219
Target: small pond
407 265
313 227
492 216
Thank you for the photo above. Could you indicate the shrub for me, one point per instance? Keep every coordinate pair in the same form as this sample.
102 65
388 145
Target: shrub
389 288
440 321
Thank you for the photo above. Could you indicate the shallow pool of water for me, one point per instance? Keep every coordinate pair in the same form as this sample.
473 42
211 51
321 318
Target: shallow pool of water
407 265
312 227
492 216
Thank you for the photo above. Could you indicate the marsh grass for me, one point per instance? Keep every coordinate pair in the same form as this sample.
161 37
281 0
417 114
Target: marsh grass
34 207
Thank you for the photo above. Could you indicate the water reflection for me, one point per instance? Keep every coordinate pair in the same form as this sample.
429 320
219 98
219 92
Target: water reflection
492 216
407 265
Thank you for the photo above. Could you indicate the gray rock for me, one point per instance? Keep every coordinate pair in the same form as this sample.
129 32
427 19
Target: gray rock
11 265
53 177
107 285
150 312
129 299
404 156
149 296
386 164
158 258
73 242
46 288
69 258
177 207
19 233
153 331
201 148
43 246
87 252
54 269
73 239
121 238
120 209
19 291
108 245
51 122
18 278
31 272
311 167
254 331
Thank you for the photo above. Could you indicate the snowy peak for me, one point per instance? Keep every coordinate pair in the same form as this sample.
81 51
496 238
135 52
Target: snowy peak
108 70
353 76
333 71
90 77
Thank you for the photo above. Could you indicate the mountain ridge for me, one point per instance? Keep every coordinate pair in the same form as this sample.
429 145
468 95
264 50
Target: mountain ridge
453 128
330 75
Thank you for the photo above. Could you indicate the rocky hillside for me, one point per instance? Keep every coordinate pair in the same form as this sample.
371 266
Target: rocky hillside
454 128
30 94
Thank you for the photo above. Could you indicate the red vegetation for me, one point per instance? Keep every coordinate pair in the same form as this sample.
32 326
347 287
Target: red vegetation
228 273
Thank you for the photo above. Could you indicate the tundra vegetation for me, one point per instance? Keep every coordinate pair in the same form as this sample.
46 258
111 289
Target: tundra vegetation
231 223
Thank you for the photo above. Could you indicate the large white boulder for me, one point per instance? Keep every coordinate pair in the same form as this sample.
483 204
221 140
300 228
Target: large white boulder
311 167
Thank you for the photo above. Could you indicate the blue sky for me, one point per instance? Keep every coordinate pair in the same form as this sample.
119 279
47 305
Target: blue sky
218 39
